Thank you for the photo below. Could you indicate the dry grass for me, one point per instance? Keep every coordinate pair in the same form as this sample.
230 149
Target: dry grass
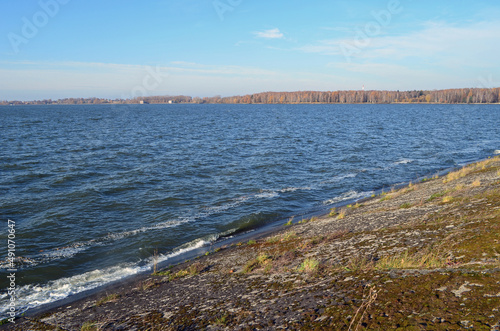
426 260
386 197
358 263
468 170
263 260
367 302
310 266
341 214
405 205
88 326
476 183
109 298
447 199
436 195
192 270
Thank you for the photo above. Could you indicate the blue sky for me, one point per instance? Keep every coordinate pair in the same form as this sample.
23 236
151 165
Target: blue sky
115 49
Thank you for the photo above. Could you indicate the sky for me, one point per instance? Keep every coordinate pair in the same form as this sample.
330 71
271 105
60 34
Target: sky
124 49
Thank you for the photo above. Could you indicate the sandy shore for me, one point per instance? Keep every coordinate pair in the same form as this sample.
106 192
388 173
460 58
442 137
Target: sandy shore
425 256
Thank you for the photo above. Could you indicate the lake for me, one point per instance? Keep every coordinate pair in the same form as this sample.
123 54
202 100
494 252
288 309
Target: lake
95 190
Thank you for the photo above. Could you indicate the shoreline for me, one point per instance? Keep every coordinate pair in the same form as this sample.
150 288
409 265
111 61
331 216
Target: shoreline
305 230
256 103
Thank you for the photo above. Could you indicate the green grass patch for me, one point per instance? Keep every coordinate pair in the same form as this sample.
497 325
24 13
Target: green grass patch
405 205
436 195
310 266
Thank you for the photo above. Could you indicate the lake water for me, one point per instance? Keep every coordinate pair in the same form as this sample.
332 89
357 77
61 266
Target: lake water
94 190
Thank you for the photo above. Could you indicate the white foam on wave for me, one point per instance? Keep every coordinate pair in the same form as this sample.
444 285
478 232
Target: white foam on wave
267 195
496 152
34 295
347 196
404 161
195 244
338 178
79 247
158 226
219 209
293 189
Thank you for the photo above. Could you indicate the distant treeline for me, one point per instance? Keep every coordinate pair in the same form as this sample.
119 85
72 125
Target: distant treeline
465 95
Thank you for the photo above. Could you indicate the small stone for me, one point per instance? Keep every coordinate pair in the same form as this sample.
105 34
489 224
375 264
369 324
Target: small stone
462 289
466 324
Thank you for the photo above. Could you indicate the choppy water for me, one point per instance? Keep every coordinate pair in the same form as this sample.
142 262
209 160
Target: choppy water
94 190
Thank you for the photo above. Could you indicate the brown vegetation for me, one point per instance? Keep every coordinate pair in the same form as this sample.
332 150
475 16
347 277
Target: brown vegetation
450 96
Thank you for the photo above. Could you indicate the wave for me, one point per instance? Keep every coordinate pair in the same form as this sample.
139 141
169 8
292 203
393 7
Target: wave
67 252
195 244
404 161
293 189
350 195
496 152
267 194
35 295
339 178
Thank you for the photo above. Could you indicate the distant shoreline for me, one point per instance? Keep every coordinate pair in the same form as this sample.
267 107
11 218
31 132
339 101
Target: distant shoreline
448 96
290 103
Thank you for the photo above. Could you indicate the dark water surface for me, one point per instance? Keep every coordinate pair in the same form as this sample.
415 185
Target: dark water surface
94 190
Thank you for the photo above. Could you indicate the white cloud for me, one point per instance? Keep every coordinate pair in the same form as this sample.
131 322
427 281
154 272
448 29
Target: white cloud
438 43
270 34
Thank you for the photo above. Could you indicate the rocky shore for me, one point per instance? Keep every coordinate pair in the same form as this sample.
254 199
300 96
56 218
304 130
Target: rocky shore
426 256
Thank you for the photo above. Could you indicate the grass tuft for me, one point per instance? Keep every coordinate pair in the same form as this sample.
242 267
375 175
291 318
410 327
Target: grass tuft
109 298
341 214
436 195
447 199
427 260
309 266
89 326
405 205
262 260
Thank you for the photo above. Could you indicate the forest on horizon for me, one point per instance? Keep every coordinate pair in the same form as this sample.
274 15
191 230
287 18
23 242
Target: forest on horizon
448 96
